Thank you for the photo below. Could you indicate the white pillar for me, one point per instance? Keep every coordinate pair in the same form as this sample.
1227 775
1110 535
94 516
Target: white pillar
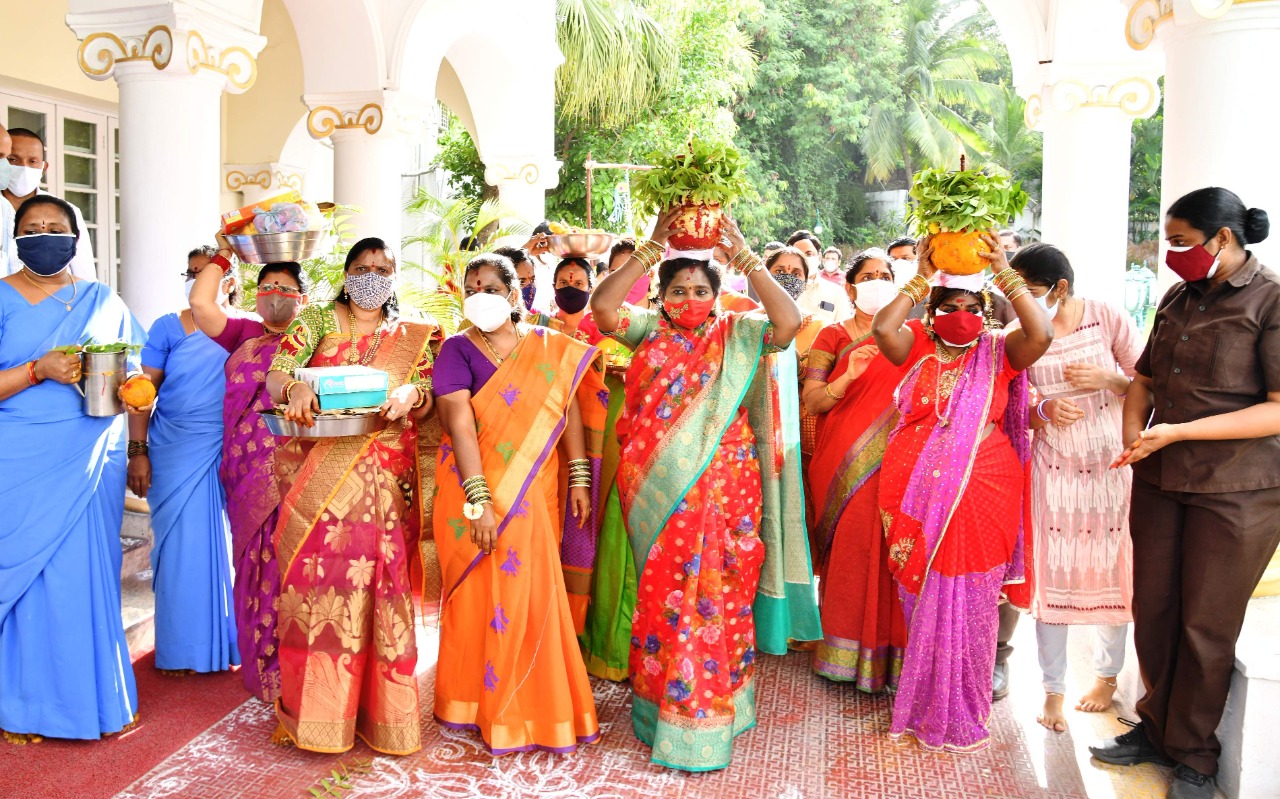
522 182
1085 189
168 180
1219 115
369 153
171 78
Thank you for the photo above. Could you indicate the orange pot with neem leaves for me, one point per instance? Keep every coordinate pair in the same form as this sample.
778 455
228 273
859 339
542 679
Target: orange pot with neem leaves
954 208
702 179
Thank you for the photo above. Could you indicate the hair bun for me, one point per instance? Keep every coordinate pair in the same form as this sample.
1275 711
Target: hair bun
1256 225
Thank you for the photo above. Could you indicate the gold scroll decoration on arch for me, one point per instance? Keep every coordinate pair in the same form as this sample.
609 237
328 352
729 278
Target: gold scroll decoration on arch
323 120
99 52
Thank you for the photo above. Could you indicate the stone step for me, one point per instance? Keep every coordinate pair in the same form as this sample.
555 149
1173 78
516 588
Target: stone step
137 602
1250 726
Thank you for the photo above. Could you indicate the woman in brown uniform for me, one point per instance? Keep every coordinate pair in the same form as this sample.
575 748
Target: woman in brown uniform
1205 517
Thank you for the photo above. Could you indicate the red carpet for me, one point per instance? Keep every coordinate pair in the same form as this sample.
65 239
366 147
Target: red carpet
172 711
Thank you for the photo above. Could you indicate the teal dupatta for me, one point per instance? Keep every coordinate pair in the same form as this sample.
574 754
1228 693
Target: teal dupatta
786 601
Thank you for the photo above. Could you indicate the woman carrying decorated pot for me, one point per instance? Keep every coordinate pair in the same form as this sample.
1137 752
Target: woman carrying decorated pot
174 457
518 403
691 487
848 389
64 662
350 522
952 490
1202 424
248 451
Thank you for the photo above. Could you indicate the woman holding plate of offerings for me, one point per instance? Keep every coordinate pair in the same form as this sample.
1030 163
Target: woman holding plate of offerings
248 452
349 523
64 662
519 405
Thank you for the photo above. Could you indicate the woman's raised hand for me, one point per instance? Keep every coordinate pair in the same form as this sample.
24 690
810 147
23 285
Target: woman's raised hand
664 228
998 259
731 237
303 405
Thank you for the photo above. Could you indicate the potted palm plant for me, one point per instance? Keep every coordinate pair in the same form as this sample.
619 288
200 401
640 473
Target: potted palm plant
702 178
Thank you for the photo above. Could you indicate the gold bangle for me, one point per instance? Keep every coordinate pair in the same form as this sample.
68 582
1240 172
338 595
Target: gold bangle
827 390
649 254
1007 280
1018 292
737 262
288 387
422 397
750 262
916 289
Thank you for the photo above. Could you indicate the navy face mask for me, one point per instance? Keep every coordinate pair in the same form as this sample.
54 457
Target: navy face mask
571 299
526 293
46 254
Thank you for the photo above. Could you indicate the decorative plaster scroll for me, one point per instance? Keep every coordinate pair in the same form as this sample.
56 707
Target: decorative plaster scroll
1145 16
100 52
290 180
325 119
500 171
1135 96
235 63
237 180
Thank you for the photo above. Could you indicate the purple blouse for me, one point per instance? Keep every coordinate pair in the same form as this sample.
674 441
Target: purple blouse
460 365
239 329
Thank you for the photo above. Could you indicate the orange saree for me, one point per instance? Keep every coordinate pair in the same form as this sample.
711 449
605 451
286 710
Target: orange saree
509 665
348 521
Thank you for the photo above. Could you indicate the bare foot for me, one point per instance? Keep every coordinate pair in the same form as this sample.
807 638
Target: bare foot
1052 718
22 738
281 736
1099 697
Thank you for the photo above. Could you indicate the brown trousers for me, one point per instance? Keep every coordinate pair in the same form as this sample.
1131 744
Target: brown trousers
1196 560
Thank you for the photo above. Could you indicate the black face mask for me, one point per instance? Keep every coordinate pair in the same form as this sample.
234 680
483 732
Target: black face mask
571 299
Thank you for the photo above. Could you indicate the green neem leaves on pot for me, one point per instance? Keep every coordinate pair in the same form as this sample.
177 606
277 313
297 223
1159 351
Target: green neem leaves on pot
970 199
699 172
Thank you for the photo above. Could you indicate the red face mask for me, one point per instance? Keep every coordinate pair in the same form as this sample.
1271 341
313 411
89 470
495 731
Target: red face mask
957 328
689 313
1191 263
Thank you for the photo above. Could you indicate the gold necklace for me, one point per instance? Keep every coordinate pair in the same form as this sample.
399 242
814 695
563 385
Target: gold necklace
74 289
353 357
492 350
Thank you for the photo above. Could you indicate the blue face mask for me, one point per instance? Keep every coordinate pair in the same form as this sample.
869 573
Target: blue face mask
526 294
46 254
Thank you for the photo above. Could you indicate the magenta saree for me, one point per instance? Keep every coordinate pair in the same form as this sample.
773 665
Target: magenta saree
253 502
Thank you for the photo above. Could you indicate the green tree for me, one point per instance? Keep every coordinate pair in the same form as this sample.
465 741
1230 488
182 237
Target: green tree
1005 141
1146 159
921 123
822 67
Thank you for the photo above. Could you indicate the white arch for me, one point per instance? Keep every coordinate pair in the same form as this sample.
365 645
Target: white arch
341 43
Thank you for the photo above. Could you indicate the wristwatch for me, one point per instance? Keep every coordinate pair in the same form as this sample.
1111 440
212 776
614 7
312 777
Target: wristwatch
472 512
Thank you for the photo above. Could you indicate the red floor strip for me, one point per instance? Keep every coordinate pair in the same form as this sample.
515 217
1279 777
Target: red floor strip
172 711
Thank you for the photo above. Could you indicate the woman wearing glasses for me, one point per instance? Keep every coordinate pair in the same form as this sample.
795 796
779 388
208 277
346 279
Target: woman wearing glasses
174 453
248 451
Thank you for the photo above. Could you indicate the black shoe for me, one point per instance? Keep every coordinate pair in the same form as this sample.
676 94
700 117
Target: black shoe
1190 784
1128 749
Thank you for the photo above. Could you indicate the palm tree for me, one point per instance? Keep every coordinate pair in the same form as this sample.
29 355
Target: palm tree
918 125
1005 141
445 222
618 61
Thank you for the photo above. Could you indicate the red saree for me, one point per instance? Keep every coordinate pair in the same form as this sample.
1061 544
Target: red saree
509 661
863 633
348 521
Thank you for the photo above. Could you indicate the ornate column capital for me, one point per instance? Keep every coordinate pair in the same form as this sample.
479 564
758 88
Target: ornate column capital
175 39
1135 95
269 178
1147 16
542 172
352 111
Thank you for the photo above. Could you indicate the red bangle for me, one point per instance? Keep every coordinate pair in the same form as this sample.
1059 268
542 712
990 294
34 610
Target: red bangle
222 262
31 373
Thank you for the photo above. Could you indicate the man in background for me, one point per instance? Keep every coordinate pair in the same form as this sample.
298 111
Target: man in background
27 159
1011 241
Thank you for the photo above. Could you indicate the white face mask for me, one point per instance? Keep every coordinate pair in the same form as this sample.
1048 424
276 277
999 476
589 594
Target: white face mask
186 289
814 263
1050 310
24 180
6 172
831 265
874 295
486 311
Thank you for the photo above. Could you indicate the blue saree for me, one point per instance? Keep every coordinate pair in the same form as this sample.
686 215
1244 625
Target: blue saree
64 663
191 556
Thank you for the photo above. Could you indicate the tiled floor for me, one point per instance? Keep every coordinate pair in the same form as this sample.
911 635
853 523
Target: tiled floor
815 739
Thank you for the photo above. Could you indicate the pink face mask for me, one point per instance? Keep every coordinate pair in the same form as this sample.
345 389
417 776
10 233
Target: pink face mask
639 292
